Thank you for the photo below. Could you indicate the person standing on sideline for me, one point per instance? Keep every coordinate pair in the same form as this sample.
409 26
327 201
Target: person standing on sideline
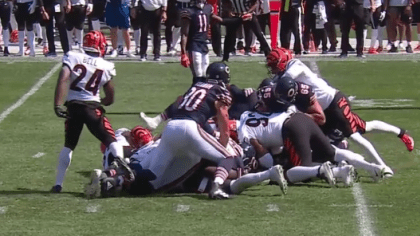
353 11
153 13
291 22
117 14
50 10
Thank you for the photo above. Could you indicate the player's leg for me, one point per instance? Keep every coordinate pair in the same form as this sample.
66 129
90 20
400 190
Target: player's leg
73 128
5 12
135 24
60 24
380 126
275 174
21 16
30 33
79 24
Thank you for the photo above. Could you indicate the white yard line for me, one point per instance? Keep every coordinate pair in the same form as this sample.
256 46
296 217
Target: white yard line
362 212
33 90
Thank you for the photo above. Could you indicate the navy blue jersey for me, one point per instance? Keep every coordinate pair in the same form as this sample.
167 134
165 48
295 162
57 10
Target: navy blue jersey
198 103
241 102
305 98
199 26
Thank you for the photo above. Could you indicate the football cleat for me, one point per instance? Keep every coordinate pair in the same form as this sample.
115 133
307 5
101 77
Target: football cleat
377 172
325 173
143 57
56 189
45 50
379 49
409 49
172 52
130 55
93 189
217 193
6 52
346 174
408 141
277 175
114 54
388 173
372 50
417 48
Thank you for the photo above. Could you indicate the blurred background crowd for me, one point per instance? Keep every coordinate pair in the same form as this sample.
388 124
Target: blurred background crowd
304 26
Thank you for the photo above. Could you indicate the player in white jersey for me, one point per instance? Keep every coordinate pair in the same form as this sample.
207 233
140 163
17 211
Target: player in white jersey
336 105
303 142
80 78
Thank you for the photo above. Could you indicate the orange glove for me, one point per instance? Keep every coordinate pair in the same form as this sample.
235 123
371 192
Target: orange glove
185 60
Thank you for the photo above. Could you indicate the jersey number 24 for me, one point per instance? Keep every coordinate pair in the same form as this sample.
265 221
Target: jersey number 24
92 85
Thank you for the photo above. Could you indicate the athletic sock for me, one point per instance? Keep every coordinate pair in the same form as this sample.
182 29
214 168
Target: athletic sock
353 159
21 39
79 37
136 36
380 126
64 160
96 25
373 37
31 42
239 185
176 34
365 144
301 173
6 37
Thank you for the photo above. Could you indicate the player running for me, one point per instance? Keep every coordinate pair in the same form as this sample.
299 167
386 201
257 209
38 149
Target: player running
78 85
335 105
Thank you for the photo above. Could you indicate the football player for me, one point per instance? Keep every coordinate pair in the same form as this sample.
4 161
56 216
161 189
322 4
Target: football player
25 19
195 23
111 181
76 12
303 141
335 105
5 13
78 85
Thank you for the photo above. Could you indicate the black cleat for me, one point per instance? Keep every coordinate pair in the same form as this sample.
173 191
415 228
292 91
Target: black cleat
56 189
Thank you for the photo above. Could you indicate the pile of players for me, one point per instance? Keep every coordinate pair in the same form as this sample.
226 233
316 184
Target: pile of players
290 130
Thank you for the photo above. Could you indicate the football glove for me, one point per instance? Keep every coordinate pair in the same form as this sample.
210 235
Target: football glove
382 16
185 61
60 112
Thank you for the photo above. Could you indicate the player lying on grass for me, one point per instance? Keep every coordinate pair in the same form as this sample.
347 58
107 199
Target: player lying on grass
335 106
112 181
78 85
277 125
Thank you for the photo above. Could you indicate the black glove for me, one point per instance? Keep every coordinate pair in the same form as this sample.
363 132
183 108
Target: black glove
60 112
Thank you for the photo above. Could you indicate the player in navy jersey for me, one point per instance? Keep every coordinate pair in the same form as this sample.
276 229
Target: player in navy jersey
184 142
195 24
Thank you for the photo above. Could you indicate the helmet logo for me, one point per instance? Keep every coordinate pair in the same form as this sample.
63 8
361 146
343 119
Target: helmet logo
227 70
291 92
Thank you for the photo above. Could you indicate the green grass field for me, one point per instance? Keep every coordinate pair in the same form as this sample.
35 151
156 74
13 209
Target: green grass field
32 136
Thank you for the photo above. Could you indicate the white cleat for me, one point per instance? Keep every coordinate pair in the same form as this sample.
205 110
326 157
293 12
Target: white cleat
172 53
326 173
346 174
150 122
277 175
388 173
130 55
93 189
377 173
114 54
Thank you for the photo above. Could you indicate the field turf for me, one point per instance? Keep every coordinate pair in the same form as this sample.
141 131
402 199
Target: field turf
32 136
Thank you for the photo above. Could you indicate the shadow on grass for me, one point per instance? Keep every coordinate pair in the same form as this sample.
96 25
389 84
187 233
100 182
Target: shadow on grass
85 174
26 191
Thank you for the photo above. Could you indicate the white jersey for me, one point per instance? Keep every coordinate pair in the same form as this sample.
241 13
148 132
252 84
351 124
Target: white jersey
78 2
145 152
88 75
121 140
298 71
266 128
366 3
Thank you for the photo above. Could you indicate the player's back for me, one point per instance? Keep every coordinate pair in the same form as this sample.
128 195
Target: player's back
198 103
266 128
88 75
298 71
